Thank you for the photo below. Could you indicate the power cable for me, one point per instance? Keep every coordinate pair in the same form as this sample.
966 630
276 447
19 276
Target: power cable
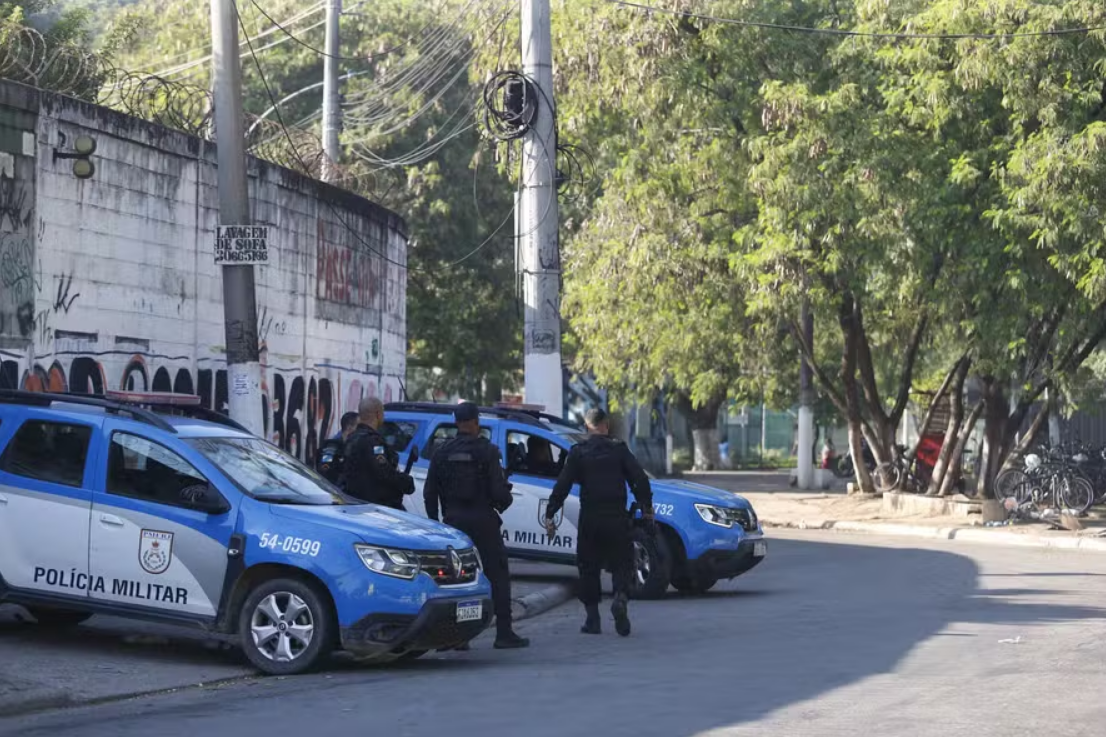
845 32
334 210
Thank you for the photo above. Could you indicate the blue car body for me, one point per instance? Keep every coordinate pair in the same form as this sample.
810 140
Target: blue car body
131 513
705 534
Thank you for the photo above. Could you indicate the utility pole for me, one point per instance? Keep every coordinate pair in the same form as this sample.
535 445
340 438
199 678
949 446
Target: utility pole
239 301
806 405
332 123
539 222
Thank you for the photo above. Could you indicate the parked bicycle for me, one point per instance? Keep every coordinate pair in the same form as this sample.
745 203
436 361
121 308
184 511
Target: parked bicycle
901 474
1054 477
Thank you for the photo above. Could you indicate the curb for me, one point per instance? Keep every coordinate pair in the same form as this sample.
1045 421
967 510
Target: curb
963 534
539 602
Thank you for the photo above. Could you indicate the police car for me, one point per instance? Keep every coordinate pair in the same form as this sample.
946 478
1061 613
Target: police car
109 507
703 534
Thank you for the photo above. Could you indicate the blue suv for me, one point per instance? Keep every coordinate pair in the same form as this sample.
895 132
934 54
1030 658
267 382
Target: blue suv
108 506
704 534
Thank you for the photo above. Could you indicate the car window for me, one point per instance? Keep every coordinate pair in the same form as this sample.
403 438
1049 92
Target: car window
398 434
447 431
534 455
48 451
147 470
265 472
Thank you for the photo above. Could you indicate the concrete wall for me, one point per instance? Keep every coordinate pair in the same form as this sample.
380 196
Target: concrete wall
110 283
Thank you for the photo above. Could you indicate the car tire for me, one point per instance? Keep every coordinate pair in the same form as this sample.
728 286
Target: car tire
694 584
652 565
286 627
50 617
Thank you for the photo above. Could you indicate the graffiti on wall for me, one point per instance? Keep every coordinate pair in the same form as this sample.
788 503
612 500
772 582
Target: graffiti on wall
347 276
300 410
17 276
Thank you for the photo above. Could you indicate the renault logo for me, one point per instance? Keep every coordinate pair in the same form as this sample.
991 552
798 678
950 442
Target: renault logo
455 562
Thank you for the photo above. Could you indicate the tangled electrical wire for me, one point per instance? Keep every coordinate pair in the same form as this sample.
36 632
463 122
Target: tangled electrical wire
575 172
510 105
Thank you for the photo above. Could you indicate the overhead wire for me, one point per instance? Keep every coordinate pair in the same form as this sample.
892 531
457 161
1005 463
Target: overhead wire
846 32
334 210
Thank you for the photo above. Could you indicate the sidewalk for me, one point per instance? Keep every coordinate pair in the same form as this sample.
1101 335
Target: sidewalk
108 658
779 505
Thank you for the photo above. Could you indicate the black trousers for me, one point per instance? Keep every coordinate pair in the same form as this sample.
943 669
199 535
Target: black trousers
604 540
484 530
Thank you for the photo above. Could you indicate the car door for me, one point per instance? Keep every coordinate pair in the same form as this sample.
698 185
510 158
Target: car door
152 549
535 461
45 499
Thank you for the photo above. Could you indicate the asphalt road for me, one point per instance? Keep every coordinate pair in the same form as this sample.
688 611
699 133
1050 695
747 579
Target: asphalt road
832 635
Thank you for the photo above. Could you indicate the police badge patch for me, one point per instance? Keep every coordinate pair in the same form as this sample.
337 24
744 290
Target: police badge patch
558 518
155 551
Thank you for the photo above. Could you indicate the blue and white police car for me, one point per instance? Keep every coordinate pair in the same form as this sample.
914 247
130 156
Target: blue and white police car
110 507
703 534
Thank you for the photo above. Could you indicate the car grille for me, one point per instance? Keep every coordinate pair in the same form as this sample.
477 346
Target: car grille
747 518
438 565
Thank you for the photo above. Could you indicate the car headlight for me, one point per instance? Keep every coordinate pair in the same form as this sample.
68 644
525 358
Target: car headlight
390 562
714 515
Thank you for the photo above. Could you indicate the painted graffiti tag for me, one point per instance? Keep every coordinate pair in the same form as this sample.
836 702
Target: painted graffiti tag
14 208
346 276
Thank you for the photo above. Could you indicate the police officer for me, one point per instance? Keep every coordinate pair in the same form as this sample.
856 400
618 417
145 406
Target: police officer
466 478
602 467
331 458
371 467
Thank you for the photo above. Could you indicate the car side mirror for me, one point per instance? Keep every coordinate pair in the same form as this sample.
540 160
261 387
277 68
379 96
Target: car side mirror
204 498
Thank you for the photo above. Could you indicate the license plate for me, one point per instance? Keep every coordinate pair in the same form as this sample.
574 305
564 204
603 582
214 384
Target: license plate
760 549
470 611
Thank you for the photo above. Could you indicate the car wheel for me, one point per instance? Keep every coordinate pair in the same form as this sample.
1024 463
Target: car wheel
652 565
50 617
286 627
694 584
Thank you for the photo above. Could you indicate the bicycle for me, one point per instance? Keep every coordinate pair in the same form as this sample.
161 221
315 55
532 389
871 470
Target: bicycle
899 474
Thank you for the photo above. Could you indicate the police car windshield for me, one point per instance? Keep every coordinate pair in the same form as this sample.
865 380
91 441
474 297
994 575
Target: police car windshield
267 473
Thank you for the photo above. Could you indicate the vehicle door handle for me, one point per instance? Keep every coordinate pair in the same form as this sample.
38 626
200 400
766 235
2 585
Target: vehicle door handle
3 499
111 519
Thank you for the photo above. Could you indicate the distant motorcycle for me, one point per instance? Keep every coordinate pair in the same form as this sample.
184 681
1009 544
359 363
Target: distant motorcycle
846 468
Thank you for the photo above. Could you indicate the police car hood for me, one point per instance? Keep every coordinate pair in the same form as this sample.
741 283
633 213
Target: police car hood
378 525
699 493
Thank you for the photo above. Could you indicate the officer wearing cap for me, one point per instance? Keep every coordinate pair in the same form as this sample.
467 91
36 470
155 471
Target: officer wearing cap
371 467
466 480
603 467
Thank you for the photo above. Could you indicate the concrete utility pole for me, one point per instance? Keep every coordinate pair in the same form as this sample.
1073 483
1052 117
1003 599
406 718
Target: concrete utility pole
539 222
806 406
332 122
239 301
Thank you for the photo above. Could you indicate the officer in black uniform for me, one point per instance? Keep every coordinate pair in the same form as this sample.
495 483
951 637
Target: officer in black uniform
466 478
331 459
372 468
602 467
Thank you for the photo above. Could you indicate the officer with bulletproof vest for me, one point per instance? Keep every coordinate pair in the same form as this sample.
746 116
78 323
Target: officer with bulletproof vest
371 467
467 481
331 458
603 467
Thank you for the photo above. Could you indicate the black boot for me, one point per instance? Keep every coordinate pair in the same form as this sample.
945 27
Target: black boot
592 623
508 640
621 618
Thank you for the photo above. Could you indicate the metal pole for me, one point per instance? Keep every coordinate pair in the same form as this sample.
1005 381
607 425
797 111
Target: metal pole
538 236
239 303
806 406
332 122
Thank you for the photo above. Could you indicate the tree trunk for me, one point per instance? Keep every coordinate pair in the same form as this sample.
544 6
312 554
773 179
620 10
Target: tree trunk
849 331
493 389
704 430
952 432
995 429
955 468
927 421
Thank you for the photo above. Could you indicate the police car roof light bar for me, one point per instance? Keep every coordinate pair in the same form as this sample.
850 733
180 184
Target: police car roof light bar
448 409
46 399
